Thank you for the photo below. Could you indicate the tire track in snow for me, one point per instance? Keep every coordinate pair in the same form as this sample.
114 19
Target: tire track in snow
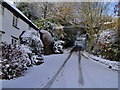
50 82
81 80
88 76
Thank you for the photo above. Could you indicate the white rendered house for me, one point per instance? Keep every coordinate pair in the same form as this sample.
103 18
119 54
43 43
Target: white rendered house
13 23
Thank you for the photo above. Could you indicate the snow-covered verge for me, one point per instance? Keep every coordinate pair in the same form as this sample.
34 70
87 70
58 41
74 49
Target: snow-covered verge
110 64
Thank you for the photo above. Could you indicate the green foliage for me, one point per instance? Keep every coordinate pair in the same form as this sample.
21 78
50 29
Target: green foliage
43 23
28 9
111 52
14 61
108 47
91 16
24 8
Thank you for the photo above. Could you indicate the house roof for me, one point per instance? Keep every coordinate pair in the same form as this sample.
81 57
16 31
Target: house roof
18 13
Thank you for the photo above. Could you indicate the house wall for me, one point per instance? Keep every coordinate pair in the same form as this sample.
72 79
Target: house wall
0 31
9 29
0 24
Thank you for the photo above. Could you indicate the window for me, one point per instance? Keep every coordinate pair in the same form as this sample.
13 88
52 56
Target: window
3 10
1 35
14 40
15 22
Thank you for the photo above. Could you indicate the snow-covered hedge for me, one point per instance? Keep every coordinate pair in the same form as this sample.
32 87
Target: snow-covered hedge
32 45
35 59
58 46
32 39
107 37
107 45
14 61
17 58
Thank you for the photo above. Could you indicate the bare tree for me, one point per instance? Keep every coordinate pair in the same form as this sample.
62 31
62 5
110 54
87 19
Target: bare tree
63 12
92 16
35 10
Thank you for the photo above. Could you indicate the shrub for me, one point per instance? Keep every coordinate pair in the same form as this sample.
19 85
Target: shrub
14 61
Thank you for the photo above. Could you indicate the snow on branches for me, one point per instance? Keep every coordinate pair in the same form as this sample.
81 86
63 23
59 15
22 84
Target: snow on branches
14 61
108 47
32 44
17 58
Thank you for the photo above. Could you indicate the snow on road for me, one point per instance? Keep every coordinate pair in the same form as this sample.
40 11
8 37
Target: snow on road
90 74
94 74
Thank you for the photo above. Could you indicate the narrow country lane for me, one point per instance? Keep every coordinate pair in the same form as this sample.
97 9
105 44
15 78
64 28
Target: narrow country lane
58 72
59 44
90 74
